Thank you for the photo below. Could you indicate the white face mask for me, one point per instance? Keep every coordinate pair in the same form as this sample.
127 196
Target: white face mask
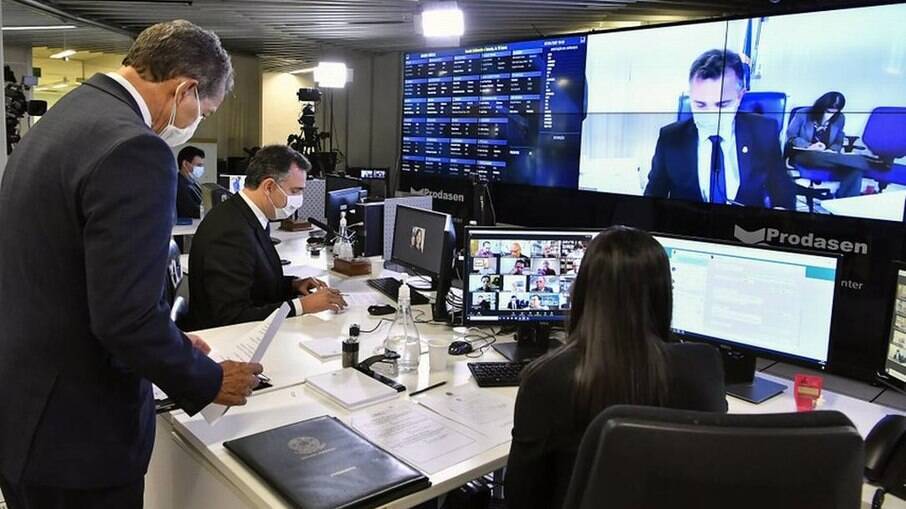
293 203
197 172
175 136
708 122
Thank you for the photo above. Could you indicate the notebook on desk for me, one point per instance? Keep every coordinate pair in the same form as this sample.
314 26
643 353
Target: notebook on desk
351 389
321 463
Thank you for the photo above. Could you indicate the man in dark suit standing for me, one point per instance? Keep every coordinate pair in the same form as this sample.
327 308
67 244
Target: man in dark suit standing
719 155
87 204
190 161
235 273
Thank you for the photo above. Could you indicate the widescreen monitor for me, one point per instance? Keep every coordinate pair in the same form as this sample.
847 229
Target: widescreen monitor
809 115
422 241
521 275
895 361
761 301
342 200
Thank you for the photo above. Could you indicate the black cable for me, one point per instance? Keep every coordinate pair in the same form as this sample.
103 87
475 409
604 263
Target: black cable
376 327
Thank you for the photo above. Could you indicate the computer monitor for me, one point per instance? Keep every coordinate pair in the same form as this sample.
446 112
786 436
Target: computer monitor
337 182
753 300
234 183
339 201
895 361
423 243
521 277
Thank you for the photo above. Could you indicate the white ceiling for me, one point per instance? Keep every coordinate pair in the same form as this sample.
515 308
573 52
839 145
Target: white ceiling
288 34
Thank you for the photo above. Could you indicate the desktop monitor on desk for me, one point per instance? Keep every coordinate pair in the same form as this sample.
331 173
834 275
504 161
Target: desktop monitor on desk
338 201
521 277
423 243
895 362
752 301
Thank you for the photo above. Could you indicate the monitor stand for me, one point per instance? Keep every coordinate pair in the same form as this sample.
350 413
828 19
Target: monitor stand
740 379
532 341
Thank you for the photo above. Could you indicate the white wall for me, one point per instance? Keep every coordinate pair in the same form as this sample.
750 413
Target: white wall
279 108
237 123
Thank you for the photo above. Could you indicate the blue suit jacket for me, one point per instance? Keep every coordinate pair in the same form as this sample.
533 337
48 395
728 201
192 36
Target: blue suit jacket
87 203
762 176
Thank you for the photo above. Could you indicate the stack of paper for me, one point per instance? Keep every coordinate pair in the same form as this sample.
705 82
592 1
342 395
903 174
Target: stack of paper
351 388
478 409
323 348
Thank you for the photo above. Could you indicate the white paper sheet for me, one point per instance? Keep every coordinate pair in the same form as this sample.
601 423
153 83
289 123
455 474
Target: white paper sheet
478 409
251 348
426 440
363 299
323 348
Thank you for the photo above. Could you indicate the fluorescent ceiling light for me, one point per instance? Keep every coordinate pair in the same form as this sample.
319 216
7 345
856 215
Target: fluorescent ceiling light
331 74
64 54
442 19
37 27
303 71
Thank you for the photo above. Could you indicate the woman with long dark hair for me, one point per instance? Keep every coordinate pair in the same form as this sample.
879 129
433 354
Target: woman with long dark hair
617 351
820 128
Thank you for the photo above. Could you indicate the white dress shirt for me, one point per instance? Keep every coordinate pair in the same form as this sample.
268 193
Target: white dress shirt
731 162
142 105
263 220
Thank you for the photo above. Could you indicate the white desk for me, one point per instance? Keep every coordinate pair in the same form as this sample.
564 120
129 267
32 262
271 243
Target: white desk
190 467
186 229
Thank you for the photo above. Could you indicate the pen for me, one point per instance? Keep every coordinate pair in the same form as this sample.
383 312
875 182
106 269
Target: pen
428 388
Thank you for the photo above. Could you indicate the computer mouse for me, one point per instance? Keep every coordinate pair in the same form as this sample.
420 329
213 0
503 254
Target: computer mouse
460 348
381 310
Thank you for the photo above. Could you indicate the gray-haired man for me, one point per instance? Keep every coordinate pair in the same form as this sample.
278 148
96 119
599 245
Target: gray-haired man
87 204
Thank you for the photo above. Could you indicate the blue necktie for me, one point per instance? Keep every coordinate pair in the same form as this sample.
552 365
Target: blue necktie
718 192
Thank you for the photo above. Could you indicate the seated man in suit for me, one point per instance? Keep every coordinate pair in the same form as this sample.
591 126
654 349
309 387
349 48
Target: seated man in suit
190 162
234 271
719 155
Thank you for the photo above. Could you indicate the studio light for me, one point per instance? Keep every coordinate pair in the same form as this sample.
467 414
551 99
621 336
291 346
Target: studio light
23 28
331 74
442 19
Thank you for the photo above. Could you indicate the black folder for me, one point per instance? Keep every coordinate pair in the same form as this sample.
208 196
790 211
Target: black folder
322 463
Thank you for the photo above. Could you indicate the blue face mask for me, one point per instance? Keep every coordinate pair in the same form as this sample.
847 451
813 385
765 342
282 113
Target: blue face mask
197 172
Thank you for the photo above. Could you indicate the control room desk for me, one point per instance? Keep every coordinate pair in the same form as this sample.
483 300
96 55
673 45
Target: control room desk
190 467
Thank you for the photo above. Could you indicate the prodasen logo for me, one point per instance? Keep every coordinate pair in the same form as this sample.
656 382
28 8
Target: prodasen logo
810 240
439 195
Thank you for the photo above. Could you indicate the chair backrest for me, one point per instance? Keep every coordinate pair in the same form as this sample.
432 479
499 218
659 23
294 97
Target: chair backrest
174 272
885 132
219 196
635 456
769 104
180 306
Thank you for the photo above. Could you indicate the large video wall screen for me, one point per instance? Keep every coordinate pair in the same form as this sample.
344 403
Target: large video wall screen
755 112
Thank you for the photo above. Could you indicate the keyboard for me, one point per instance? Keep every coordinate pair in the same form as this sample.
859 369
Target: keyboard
497 374
391 287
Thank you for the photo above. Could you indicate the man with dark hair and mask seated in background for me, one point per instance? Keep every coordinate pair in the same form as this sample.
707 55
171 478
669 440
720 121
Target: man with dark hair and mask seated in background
190 162
235 273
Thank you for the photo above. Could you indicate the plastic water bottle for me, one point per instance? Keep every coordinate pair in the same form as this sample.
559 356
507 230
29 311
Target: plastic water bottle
403 337
342 246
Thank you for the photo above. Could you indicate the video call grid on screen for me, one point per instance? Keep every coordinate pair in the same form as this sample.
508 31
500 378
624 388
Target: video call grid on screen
895 363
761 299
522 275
639 118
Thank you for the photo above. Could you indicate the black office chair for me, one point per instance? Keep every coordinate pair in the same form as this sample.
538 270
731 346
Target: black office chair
174 272
179 309
648 457
219 195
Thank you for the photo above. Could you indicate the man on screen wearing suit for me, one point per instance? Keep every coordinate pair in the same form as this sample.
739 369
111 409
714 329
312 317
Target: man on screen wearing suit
87 203
720 156
234 271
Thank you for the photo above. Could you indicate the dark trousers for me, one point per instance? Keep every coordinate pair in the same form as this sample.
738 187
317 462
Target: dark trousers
29 496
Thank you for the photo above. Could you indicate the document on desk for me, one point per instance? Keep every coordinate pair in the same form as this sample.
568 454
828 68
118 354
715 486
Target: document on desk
250 348
428 441
478 409
363 299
